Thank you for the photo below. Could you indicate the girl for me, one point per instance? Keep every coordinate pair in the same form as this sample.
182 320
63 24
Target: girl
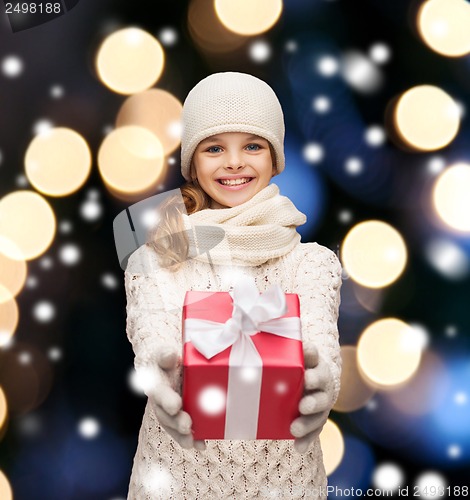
232 145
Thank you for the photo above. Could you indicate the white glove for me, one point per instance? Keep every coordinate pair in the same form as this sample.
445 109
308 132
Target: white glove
317 401
166 402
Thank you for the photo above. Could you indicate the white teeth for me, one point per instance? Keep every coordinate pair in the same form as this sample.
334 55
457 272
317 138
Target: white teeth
234 182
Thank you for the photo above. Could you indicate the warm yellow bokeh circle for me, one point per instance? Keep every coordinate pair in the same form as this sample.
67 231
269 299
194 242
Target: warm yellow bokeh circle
332 445
9 316
248 17
355 392
389 352
374 254
130 60
27 219
130 159
444 26
451 196
13 269
158 111
3 409
58 162
6 492
427 118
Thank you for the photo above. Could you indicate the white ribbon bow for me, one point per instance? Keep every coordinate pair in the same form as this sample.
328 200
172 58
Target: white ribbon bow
252 312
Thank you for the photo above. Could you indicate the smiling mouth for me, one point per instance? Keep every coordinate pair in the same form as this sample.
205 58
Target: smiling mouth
235 182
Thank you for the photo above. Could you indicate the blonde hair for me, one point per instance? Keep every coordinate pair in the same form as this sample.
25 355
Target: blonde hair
168 238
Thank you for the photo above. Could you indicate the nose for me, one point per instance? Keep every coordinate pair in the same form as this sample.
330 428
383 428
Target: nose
234 161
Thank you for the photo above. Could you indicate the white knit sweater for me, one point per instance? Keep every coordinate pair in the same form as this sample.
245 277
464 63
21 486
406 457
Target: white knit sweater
227 469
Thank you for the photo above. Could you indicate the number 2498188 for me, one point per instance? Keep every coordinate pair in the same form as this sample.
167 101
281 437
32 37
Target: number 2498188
33 8
440 491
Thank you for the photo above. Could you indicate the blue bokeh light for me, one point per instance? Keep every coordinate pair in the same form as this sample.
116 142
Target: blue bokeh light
355 470
304 186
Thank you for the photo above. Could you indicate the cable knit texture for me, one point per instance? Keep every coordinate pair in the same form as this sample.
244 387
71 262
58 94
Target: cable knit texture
262 228
227 469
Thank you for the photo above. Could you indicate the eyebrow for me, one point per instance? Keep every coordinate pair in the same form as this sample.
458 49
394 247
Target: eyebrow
216 138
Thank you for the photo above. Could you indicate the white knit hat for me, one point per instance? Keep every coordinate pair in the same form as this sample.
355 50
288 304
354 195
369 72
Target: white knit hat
231 102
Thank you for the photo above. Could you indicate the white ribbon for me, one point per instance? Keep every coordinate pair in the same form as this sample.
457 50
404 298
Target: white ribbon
252 312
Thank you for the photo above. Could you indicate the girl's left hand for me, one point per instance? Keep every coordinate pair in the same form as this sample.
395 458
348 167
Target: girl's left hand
317 402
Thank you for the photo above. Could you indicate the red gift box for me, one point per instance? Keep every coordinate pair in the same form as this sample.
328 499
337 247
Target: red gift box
249 399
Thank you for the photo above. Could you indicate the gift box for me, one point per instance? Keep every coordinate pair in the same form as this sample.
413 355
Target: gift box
243 365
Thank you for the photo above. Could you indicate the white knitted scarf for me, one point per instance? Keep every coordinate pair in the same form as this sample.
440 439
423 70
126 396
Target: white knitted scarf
249 234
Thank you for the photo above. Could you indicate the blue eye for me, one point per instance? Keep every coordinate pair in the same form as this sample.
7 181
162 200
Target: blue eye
257 146
213 147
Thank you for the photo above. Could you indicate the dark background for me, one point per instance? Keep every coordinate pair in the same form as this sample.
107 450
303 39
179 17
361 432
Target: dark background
41 452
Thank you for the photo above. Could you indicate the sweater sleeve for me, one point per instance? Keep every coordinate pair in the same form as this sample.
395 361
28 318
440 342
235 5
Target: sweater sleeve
153 317
318 283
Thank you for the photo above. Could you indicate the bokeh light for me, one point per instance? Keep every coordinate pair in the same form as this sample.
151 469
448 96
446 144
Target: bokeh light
5 488
248 17
57 91
332 444
327 66
388 477
44 311
54 354
27 219
426 390
375 136
451 196
380 53
91 210
313 152
260 51
426 118
13 270
26 377
207 31
156 110
374 254
443 26
451 416
436 165
168 36
130 159
142 380
158 479
130 60
89 428
212 400
42 126
354 166
109 281
70 254
3 409
355 469
58 162
431 484
371 299
12 66
389 352
448 258
360 73
9 316
354 392
321 104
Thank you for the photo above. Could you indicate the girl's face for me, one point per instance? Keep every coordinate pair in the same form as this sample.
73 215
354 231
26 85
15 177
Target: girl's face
232 167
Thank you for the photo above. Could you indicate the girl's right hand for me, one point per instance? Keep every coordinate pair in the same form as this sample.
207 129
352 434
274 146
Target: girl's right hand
167 403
